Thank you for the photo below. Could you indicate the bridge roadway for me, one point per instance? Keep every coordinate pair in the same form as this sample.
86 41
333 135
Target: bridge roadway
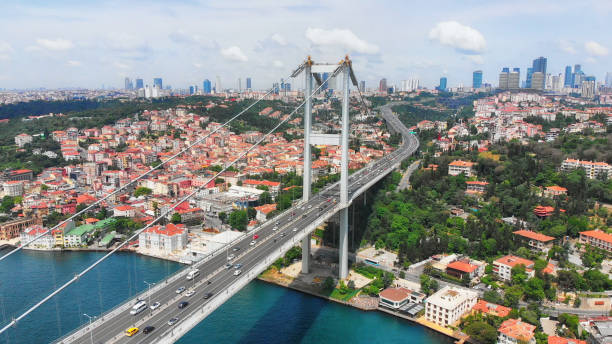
216 279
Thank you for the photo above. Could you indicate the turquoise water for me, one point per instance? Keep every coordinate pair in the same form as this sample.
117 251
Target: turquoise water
260 313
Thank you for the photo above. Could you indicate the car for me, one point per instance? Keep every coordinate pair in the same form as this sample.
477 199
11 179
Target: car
172 321
255 236
183 304
295 229
180 290
236 249
190 293
131 331
252 243
207 296
310 206
283 235
237 272
237 266
155 306
228 266
275 228
148 329
230 257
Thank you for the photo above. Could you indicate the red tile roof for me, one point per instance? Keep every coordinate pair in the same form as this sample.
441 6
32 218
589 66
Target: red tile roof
597 234
514 328
514 260
491 308
561 340
395 294
462 266
534 235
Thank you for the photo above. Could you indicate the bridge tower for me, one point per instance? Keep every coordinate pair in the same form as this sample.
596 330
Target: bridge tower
312 70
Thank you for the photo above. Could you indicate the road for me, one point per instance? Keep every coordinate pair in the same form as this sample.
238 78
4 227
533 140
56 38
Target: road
405 182
215 279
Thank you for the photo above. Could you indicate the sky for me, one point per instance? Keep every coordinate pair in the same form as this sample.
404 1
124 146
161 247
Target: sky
86 43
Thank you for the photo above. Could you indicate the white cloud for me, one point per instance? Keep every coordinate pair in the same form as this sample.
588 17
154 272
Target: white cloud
74 63
59 44
277 64
279 39
595 49
5 48
121 65
477 59
461 37
342 38
567 46
234 53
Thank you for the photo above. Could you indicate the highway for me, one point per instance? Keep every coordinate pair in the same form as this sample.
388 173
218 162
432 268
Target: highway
215 278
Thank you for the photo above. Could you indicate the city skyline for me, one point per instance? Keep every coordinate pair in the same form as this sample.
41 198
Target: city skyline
73 44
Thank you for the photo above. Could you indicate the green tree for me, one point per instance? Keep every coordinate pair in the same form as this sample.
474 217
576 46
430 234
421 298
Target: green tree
518 273
238 219
492 296
328 284
176 218
482 332
513 295
534 289
265 198
142 191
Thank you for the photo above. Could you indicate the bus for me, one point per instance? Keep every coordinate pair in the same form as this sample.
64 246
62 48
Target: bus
371 261
138 307
193 274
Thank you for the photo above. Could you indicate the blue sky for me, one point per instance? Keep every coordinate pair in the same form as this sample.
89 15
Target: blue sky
68 43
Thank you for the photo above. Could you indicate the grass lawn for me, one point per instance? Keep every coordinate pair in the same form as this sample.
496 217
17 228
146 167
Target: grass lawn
344 297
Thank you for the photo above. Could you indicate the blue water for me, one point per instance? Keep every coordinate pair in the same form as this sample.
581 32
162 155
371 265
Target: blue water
260 313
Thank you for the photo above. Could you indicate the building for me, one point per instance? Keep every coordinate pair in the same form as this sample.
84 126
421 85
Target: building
491 309
442 86
477 79
81 236
395 298
545 211
11 229
461 268
248 84
459 166
561 340
554 191
124 211
514 331
207 86
263 211
45 241
410 85
13 188
139 83
537 81
382 86
362 85
593 169
128 84
597 238
166 239
476 187
567 82
23 139
588 89
157 82
502 267
449 304
528 77
536 241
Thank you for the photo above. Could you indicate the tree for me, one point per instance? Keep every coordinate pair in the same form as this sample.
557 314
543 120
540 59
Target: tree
222 216
519 276
534 289
482 332
328 284
492 296
265 198
142 191
513 295
44 187
238 219
176 218
251 213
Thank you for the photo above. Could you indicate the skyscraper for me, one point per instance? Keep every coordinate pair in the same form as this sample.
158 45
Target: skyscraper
248 84
218 88
206 86
477 79
239 84
139 84
514 79
528 78
382 86
442 86
191 90
362 85
537 80
503 78
324 78
157 82
567 82
128 84
609 79
539 65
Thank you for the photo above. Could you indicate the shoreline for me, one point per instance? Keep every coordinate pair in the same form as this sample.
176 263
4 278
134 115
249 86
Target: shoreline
417 321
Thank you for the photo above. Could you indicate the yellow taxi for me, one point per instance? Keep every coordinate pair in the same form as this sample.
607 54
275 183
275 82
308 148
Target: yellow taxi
131 331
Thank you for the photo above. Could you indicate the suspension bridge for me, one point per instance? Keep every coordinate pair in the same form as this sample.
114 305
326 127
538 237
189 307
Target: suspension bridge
216 283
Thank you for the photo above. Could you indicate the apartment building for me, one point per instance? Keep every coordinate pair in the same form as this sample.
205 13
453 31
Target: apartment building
534 240
166 239
514 331
448 304
593 169
597 238
459 166
502 267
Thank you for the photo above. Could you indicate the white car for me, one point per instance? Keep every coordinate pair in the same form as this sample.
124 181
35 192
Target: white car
295 229
275 228
155 306
190 293
230 257
237 272
252 243
180 290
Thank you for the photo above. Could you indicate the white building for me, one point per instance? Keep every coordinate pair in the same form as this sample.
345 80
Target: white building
23 139
447 305
410 85
44 242
13 188
593 169
124 211
164 239
502 267
513 331
459 166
